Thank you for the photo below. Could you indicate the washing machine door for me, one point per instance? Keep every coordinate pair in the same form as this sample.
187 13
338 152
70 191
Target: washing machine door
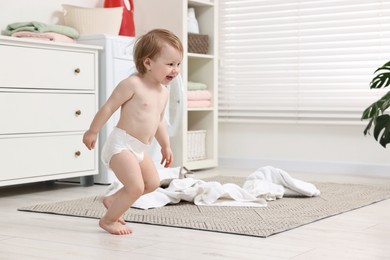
174 109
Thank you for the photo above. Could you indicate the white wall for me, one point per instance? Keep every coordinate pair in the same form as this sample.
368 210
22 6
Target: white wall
303 148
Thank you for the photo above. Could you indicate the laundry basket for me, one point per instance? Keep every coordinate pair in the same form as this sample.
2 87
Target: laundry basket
93 20
196 145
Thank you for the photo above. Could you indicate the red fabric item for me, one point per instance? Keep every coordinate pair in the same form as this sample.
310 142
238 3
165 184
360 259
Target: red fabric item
127 26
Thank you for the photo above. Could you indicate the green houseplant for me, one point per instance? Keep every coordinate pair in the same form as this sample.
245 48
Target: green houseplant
376 113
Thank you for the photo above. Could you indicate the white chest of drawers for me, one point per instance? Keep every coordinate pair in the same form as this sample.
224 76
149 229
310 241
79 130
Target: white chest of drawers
48 98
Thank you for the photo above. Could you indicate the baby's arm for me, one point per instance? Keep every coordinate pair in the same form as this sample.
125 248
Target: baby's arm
120 95
162 138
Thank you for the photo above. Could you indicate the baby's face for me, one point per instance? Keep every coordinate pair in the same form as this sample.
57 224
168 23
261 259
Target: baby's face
165 67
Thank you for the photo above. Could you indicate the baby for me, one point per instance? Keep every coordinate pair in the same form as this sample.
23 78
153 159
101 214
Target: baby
142 99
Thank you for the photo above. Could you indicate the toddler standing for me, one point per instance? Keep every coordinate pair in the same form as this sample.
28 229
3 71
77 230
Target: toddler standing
142 99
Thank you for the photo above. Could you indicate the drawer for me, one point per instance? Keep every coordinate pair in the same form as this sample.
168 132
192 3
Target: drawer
33 156
39 68
45 112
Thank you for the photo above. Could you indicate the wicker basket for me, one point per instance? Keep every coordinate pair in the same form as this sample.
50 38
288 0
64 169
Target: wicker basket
196 145
198 43
93 20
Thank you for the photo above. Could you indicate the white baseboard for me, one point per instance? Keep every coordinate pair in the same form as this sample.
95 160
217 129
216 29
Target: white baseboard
346 168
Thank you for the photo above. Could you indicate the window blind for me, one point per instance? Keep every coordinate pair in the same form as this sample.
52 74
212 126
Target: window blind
306 61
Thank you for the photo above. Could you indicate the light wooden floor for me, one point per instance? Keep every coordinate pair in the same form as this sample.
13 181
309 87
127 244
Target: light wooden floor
358 234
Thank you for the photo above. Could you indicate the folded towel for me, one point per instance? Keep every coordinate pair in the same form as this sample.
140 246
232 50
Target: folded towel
196 85
48 36
198 95
198 103
41 27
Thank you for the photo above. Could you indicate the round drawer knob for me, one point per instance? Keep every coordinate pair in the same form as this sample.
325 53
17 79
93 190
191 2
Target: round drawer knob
78 112
77 71
77 153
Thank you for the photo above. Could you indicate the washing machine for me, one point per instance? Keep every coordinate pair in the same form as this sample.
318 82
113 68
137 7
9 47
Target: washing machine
116 63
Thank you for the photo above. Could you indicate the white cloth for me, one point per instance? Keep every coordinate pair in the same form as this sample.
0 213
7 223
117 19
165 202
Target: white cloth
293 187
192 22
266 183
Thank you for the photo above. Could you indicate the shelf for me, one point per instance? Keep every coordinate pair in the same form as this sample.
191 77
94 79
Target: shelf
200 109
200 56
200 3
196 67
203 68
201 164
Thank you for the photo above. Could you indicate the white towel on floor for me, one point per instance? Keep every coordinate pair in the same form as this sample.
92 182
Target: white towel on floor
293 187
266 183
199 192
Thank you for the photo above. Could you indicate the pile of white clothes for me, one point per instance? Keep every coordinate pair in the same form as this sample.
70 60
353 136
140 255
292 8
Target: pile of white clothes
265 184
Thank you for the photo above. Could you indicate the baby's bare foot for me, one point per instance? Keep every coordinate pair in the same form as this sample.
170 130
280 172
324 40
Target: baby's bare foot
114 227
107 202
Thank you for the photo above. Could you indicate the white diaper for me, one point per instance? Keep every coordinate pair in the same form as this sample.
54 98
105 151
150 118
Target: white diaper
120 140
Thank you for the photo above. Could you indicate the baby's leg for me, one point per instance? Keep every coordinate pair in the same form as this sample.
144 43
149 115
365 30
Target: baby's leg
149 174
151 182
127 169
107 201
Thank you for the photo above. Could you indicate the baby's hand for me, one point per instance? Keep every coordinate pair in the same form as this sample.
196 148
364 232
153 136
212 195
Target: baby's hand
167 156
89 139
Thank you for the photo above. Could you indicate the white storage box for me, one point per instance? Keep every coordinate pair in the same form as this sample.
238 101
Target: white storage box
93 20
196 145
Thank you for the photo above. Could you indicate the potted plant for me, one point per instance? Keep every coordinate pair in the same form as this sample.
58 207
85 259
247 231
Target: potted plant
379 120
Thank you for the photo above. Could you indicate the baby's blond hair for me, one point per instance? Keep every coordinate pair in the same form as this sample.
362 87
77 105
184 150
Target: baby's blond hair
150 44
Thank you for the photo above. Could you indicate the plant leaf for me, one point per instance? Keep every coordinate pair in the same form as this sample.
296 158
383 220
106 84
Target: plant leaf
371 111
368 127
380 81
382 129
377 108
386 66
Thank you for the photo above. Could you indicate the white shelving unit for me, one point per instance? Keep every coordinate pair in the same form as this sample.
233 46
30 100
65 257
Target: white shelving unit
172 15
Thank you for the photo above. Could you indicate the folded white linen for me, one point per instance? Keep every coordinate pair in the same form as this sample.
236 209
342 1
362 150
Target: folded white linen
266 183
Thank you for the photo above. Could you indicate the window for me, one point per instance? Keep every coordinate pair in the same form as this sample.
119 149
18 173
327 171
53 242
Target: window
300 61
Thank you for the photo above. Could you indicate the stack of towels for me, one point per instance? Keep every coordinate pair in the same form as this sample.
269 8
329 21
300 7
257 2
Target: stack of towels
42 31
198 95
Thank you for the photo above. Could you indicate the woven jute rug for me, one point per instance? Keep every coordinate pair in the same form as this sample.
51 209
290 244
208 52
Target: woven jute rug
280 215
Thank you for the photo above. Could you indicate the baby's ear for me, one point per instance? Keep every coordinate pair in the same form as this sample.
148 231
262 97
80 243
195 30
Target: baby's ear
147 63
